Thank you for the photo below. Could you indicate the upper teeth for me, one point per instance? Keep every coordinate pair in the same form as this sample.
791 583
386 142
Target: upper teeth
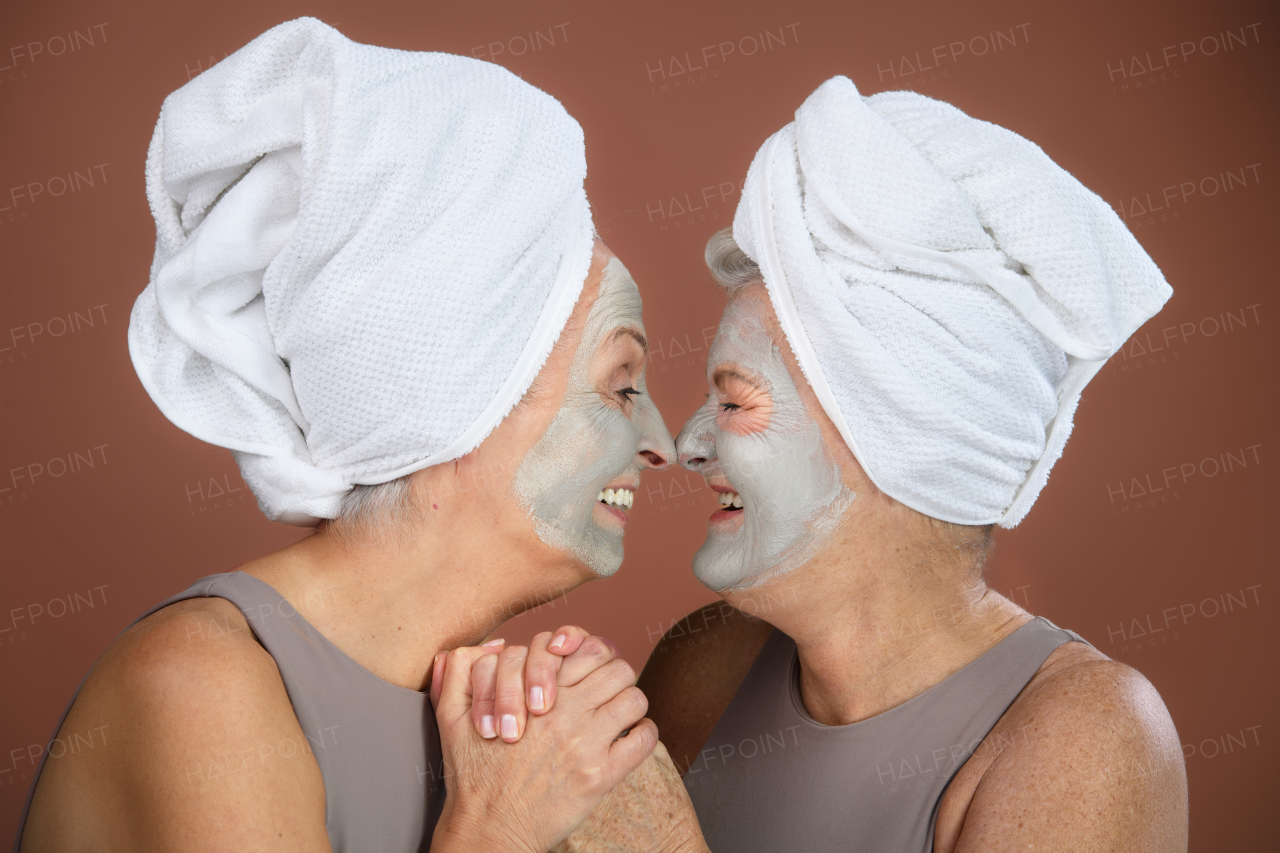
731 499
617 497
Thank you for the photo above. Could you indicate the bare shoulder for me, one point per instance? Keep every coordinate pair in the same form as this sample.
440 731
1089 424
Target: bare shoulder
183 723
695 670
1086 758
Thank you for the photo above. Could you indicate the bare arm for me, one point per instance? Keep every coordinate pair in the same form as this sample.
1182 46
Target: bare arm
192 714
1087 759
198 749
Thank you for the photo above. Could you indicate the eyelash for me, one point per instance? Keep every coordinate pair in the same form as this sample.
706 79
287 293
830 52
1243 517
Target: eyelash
725 407
627 393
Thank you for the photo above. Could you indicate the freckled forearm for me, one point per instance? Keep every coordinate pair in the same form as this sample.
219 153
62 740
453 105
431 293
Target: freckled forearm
649 812
672 808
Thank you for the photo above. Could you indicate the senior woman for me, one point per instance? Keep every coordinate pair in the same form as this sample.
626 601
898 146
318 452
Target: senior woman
376 282
916 300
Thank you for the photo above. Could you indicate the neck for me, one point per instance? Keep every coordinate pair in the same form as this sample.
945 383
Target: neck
877 621
392 605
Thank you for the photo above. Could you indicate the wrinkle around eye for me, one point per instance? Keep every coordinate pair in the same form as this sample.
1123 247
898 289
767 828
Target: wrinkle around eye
754 407
743 421
620 389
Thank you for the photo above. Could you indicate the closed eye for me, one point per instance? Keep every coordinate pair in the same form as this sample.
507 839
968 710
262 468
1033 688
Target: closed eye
751 404
629 393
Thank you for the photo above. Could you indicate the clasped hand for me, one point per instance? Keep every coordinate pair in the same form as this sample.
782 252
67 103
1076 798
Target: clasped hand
529 793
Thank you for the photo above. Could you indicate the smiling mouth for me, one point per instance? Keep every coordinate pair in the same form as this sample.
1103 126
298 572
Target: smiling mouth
730 501
617 498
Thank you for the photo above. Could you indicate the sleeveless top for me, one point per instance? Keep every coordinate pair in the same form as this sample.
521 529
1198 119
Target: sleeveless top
772 779
377 744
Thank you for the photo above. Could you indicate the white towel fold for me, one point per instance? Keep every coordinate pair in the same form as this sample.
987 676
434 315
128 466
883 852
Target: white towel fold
363 258
948 291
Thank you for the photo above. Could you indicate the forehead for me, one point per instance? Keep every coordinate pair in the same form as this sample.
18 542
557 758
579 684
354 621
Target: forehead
618 304
744 333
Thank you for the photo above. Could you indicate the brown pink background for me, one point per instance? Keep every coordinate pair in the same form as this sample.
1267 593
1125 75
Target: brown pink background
1153 105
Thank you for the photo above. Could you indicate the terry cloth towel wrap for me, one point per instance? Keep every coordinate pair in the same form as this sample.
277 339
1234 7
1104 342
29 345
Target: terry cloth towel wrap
363 258
947 289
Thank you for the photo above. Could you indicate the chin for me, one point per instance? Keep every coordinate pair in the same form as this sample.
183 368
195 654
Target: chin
723 565
605 570
604 557
718 565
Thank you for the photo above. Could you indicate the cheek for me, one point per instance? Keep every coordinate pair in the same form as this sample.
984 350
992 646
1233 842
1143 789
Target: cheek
586 445
775 471
747 460
616 437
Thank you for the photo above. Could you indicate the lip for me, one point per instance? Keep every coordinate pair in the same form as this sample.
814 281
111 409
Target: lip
613 512
630 485
609 518
725 520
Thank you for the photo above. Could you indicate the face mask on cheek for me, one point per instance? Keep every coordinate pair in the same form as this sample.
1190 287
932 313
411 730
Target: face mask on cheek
588 444
793 497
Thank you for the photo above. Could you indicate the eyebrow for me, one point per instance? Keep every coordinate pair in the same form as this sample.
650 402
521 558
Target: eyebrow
632 333
729 373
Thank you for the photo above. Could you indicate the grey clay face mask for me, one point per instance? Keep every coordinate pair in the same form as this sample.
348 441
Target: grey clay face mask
589 442
792 493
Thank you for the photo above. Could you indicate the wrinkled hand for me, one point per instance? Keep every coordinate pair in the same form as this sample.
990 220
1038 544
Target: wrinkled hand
529 793
518 681
649 812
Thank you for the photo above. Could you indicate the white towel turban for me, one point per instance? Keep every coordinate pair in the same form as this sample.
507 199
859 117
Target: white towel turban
363 258
947 289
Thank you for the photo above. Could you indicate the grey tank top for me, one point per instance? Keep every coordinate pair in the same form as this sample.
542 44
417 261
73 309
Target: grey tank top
770 779
377 744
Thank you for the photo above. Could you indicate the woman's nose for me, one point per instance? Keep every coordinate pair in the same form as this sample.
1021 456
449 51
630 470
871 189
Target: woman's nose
655 460
656 449
693 463
695 445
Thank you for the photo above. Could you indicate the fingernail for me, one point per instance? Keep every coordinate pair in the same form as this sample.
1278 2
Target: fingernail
558 641
496 642
486 726
509 726
536 701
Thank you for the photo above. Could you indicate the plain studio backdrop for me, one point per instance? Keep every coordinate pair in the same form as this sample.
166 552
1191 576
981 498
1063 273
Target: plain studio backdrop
1152 538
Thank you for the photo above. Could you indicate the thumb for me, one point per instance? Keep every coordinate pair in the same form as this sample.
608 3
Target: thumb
453 701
